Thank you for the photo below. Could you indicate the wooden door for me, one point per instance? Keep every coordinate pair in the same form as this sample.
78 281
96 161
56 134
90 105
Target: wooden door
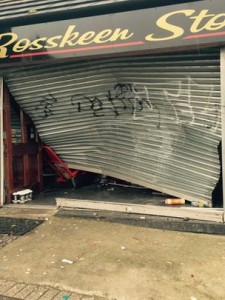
2 190
22 150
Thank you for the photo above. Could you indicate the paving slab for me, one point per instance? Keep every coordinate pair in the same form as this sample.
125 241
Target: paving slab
25 292
62 295
37 293
15 290
75 296
6 285
7 298
33 292
50 294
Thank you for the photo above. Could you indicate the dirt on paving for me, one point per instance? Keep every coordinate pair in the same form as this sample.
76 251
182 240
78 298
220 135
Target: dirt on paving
5 239
117 261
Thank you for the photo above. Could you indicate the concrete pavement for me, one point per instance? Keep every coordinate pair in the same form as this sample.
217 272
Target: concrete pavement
10 290
116 261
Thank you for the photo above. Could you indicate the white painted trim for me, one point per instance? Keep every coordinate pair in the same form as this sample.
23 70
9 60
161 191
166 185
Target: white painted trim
215 215
31 206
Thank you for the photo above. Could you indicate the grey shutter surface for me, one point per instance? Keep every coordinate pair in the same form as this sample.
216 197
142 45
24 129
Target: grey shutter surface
152 120
20 9
12 9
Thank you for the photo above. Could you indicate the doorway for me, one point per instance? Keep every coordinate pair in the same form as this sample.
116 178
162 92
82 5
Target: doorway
22 149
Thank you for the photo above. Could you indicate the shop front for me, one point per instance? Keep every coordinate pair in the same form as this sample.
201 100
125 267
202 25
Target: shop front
134 95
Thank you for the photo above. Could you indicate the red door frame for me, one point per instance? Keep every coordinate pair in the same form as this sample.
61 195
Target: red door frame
29 152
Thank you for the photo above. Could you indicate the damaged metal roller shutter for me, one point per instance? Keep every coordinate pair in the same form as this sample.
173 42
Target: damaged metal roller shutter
152 120
17 8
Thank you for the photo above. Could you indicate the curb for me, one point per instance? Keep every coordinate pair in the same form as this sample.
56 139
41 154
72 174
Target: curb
149 221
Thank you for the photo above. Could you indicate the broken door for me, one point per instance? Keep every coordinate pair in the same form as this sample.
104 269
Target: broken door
23 163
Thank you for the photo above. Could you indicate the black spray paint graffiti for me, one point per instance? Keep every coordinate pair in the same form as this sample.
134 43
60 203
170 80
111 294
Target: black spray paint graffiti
46 105
87 104
127 98
123 97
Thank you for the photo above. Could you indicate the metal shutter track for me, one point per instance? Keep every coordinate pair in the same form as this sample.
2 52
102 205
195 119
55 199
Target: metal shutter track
163 133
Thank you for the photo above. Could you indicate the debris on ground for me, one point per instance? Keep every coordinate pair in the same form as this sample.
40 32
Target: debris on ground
199 204
67 261
174 201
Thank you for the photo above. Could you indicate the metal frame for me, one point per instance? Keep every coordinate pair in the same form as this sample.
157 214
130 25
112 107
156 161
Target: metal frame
2 192
222 76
